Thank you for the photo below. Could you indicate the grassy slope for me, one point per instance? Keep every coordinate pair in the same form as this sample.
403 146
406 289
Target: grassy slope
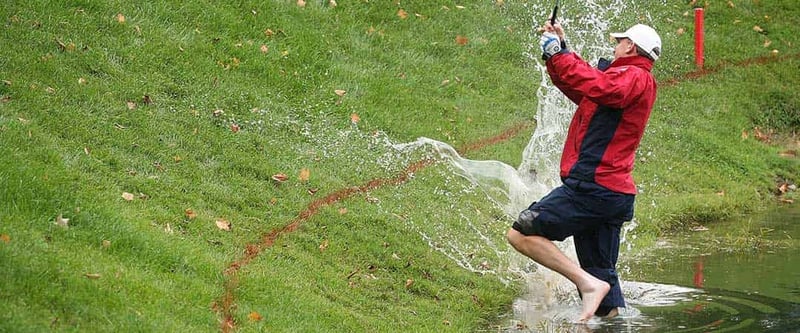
193 59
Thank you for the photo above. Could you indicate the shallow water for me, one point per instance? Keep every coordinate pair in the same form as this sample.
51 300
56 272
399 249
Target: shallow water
739 276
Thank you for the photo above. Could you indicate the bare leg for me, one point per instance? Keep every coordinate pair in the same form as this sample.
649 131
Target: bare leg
544 252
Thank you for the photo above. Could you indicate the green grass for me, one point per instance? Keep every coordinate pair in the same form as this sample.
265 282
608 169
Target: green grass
70 145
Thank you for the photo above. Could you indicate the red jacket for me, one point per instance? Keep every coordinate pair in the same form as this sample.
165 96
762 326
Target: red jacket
613 108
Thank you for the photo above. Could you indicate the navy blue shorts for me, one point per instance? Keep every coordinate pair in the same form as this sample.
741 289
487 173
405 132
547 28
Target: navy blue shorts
593 215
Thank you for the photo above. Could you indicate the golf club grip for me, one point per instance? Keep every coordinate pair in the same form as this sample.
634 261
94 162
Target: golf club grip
553 18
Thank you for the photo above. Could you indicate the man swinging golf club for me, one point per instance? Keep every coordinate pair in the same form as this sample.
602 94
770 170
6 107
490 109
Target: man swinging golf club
597 195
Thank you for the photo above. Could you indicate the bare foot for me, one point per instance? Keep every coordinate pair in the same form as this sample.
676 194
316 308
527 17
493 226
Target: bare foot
592 294
611 314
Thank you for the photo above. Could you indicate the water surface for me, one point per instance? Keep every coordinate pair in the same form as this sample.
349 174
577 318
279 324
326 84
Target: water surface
737 276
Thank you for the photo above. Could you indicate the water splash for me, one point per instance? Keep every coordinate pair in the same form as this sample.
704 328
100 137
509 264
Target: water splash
513 189
473 240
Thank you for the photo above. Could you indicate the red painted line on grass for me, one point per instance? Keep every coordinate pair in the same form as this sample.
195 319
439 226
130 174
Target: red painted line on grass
225 305
762 60
505 136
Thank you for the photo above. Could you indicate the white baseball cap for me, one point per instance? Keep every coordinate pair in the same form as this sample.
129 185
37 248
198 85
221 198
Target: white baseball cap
644 37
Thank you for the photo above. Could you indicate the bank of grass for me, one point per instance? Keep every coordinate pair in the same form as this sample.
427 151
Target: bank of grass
77 132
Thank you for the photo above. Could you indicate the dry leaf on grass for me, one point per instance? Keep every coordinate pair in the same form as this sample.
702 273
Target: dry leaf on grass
280 177
254 316
304 175
223 224
61 221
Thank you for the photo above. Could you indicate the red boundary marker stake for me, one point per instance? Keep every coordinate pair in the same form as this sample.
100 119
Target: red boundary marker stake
699 37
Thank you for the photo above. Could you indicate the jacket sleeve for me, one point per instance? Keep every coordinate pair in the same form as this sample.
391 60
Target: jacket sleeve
617 87
574 95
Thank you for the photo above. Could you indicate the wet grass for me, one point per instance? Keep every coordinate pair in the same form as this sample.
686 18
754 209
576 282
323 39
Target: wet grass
192 108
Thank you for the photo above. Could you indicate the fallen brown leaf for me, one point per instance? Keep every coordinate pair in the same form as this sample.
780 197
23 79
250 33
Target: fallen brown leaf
5 238
190 214
354 118
223 224
304 175
254 316
120 18
106 243
409 283
323 246
402 14
461 40
93 276
127 196
280 177
61 221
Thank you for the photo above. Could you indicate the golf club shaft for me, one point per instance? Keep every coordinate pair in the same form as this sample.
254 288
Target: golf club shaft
555 13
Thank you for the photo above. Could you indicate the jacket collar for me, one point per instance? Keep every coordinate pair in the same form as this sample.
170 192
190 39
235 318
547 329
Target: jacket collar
638 61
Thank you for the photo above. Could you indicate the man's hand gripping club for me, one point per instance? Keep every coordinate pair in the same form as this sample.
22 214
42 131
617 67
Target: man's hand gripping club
552 40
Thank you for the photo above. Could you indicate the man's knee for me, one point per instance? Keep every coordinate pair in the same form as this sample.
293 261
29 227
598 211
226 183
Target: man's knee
526 223
514 237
